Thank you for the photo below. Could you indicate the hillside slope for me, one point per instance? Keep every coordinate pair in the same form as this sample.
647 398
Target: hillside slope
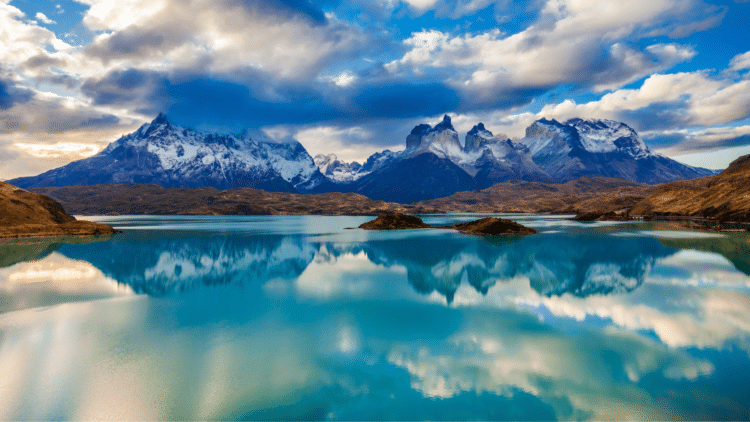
725 196
24 213
586 194
153 199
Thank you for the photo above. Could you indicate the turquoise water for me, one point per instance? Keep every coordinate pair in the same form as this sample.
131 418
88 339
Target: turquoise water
299 317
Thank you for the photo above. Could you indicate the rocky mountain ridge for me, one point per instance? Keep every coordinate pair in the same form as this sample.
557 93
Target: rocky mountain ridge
173 156
434 164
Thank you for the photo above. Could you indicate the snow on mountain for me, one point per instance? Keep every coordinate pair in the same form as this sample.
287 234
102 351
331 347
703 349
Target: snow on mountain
173 156
337 170
549 136
593 147
180 149
442 140
609 136
478 137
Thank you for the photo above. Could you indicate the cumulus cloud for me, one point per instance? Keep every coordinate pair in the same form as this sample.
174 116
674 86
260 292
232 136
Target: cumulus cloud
290 40
740 62
23 40
493 68
40 16
688 98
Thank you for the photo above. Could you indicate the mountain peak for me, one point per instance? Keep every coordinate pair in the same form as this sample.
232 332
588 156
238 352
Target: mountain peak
445 124
479 127
161 118
478 137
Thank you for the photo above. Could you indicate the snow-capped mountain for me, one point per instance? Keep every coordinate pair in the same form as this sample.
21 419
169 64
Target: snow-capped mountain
173 156
578 147
337 170
480 152
435 163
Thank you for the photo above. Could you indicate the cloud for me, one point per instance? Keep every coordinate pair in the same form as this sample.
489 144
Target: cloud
43 131
10 94
405 100
24 40
353 143
682 99
740 62
59 149
140 90
286 39
40 16
685 141
492 68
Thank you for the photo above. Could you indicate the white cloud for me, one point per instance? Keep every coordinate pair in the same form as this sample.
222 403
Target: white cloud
740 61
343 79
60 149
217 36
703 100
558 49
40 16
421 5
348 143
22 41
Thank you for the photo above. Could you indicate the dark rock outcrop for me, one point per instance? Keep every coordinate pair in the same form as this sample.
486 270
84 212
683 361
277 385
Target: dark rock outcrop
483 226
395 222
493 226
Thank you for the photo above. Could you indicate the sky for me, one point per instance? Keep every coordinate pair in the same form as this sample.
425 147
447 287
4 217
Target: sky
353 78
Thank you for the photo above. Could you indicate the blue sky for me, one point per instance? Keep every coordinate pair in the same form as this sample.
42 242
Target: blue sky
353 78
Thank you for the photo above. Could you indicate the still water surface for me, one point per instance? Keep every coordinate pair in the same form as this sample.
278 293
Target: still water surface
298 317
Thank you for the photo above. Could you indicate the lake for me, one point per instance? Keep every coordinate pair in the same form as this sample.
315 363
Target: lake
299 317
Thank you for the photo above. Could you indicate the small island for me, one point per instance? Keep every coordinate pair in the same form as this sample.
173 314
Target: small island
483 226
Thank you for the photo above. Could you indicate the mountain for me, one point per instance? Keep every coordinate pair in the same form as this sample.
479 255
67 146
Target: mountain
435 164
725 196
578 147
173 156
336 170
24 213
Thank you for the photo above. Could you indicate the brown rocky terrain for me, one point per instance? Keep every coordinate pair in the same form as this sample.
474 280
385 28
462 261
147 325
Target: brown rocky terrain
725 197
583 195
493 226
483 226
395 222
24 214
153 199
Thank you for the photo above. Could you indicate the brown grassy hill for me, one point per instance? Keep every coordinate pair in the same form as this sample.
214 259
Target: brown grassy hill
23 213
586 194
153 199
725 196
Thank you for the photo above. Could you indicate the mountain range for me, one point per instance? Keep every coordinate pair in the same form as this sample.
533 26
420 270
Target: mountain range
434 163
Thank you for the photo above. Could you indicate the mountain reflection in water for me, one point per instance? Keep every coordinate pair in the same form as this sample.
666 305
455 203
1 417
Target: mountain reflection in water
581 265
296 318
